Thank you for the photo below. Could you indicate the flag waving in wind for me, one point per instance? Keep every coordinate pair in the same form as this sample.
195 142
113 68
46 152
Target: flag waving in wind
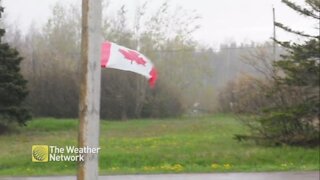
119 57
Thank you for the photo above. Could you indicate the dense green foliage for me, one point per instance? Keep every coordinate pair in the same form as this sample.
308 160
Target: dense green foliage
12 86
154 146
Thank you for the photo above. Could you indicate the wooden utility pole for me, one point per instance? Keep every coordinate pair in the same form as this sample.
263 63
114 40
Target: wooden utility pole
89 107
1 21
137 28
274 34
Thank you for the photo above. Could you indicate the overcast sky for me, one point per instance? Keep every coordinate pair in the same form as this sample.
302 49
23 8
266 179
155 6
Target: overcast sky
222 20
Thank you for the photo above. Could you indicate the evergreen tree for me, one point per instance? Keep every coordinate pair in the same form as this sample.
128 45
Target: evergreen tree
293 116
297 122
13 88
301 64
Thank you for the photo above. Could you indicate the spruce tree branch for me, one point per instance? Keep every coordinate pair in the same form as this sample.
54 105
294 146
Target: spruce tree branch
314 4
284 44
288 29
303 11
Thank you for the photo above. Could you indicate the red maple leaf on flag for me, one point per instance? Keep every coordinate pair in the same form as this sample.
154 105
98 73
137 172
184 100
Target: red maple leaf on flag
133 56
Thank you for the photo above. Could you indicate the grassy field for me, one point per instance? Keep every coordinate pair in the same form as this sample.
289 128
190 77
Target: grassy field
154 146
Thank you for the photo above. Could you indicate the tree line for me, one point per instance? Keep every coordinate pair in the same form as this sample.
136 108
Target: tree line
190 73
52 53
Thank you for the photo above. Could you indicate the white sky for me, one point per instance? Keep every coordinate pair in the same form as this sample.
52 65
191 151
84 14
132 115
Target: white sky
222 20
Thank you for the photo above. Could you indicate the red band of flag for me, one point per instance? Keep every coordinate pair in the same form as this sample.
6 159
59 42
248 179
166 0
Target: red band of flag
119 57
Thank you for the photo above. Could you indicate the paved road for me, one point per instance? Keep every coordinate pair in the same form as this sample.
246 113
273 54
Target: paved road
214 176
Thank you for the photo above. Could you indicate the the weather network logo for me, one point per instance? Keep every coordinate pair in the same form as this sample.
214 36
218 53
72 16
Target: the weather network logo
40 153
47 153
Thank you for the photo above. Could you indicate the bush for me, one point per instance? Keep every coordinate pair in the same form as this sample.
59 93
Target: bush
163 101
275 113
245 94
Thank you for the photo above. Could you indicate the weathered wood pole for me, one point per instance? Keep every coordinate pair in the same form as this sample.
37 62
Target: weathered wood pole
274 34
89 107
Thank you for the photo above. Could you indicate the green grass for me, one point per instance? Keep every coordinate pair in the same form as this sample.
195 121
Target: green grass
154 146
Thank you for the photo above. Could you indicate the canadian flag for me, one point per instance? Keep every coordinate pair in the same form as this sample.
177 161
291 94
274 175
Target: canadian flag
119 57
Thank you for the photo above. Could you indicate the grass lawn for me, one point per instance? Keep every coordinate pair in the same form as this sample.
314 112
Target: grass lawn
153 146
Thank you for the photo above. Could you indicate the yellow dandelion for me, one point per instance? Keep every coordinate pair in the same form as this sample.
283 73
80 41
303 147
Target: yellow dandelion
214 166
177 167
227 166
114 168
166 167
